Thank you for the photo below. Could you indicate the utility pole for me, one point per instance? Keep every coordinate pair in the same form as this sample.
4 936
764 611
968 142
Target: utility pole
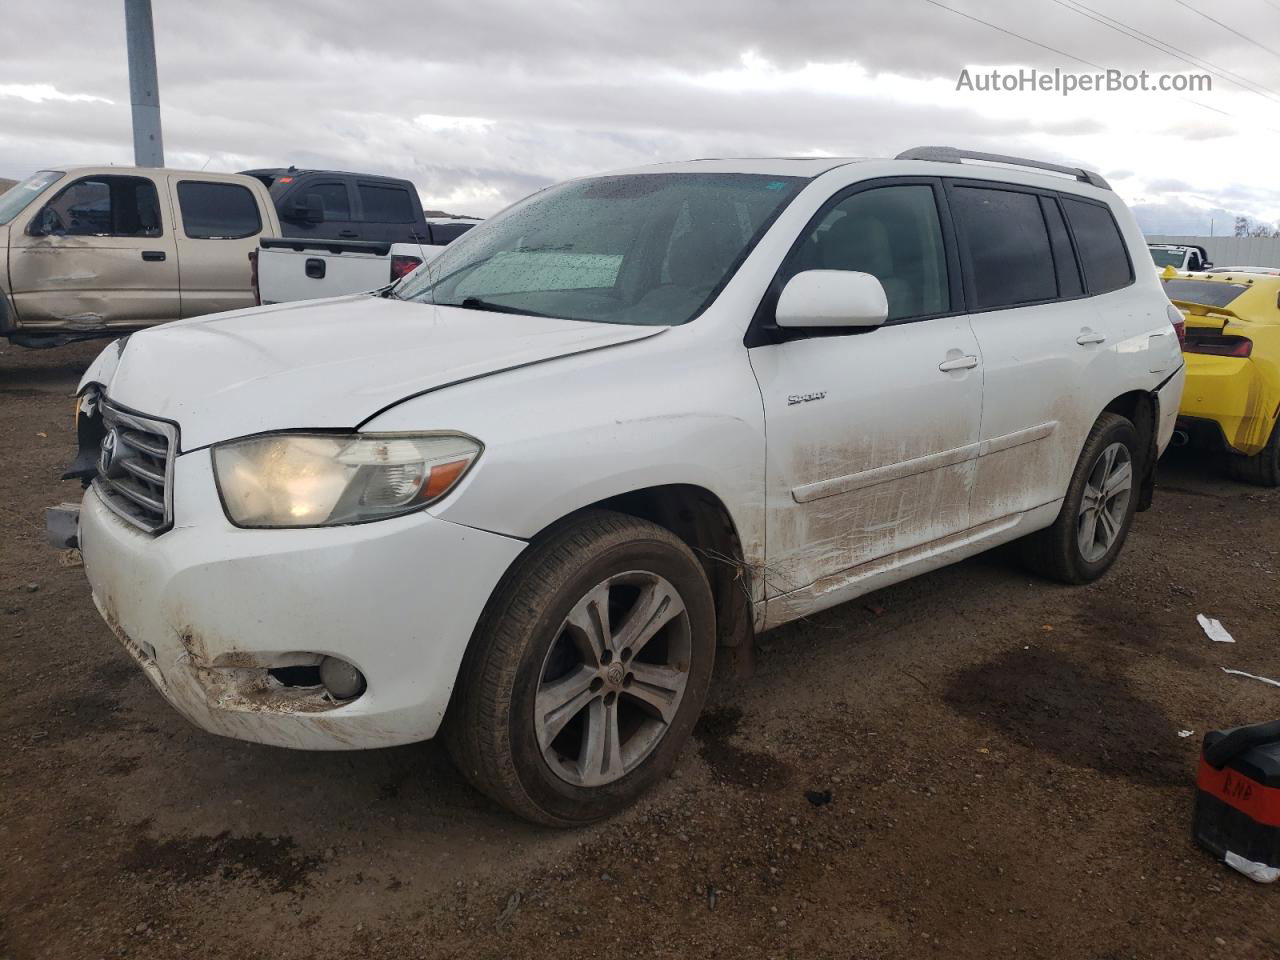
144 87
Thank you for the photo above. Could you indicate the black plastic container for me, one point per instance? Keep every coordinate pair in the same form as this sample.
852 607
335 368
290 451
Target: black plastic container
1238 793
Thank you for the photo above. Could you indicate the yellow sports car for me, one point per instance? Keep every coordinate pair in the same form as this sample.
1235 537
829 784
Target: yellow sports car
1232 350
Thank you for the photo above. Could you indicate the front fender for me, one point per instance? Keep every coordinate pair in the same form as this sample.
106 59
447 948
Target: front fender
570 433
104 365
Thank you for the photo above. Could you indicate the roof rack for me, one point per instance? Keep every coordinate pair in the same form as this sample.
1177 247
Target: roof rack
953 155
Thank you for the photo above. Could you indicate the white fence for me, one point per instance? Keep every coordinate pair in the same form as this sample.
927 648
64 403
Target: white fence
1231 251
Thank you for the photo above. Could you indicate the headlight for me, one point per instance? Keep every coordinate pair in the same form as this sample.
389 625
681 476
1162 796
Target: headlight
318 479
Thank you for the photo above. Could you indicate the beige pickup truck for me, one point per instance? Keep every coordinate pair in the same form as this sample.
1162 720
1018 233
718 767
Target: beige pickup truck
96 251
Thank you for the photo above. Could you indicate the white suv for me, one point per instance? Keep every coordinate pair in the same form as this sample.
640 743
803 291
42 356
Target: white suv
522 496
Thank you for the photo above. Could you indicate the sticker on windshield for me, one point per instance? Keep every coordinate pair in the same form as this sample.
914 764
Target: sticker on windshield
775 185
525 271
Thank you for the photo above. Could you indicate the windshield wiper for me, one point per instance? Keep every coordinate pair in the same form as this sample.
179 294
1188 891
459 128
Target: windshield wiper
475 303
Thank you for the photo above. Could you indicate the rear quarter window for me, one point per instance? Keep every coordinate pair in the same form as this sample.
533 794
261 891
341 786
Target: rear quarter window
218 211
1102 250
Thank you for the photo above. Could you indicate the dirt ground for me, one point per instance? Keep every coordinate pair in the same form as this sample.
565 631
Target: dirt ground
972 764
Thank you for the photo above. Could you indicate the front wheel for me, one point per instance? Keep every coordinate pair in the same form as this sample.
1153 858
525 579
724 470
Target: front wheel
1097 511
587 671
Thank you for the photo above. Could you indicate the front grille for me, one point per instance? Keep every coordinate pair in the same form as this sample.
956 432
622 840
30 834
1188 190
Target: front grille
135 468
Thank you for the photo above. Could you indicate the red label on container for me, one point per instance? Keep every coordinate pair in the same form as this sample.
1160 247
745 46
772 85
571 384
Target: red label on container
1260 804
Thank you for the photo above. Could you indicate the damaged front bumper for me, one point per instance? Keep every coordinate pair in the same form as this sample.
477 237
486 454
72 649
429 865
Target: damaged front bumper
207 610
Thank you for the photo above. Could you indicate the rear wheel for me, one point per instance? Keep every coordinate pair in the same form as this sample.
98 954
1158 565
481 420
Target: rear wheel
1263 468
1098 509
587 671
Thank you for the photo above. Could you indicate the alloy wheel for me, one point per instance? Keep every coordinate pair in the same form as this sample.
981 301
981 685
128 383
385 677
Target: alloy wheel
1105 502
613 679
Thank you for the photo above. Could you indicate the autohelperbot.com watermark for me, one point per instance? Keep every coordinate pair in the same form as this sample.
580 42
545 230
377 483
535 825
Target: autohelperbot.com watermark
1031 80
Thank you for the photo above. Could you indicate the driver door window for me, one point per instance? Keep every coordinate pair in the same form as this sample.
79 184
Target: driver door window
102 207
892 233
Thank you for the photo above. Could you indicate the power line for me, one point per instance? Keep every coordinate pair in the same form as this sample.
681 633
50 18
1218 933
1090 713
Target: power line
1061 53
1242 36
1042 46
1222 73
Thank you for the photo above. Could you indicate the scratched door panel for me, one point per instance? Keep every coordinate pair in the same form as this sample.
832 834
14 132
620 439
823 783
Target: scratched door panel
880 459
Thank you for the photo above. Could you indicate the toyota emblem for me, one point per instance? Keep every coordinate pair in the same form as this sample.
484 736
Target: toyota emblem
107 458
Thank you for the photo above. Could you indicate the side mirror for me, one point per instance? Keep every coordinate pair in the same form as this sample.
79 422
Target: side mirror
307 209
832 298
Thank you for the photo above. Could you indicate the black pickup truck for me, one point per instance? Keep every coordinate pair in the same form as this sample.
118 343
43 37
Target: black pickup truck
335 205
343 233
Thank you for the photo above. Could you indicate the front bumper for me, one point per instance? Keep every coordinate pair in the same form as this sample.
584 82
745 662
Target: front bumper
1231 392
206 608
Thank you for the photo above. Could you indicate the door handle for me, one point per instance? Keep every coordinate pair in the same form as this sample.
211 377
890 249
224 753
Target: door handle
153 255
959 363
1089 336
348 234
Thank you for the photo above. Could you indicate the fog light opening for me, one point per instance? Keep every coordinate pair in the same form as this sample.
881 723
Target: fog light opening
296 676
342 680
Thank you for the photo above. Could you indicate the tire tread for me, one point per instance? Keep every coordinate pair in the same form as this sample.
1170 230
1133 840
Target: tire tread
1263 468
476 728
1051 552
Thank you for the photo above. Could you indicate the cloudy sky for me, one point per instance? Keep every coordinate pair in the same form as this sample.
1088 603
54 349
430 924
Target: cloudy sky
480 102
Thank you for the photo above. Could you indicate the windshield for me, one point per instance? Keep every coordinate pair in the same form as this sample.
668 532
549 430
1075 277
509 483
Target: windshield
646 248
1207 293
14 200
1168 258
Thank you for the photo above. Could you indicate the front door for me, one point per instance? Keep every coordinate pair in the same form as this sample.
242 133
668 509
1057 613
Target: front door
871 436
97 254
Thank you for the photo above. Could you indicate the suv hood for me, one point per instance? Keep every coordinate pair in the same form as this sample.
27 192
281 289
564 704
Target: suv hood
324 364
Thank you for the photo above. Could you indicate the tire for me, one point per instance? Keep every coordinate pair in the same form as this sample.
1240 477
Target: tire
1058 552
1263 468
539 638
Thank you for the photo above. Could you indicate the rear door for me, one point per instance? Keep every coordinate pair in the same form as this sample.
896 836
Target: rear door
218 224
388 212
97 254
1043 341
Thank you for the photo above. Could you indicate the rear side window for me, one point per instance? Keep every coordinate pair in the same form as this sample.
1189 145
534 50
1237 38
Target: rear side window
893 234
102 207
1064 258
1010 259
217 211
386 204
1102 249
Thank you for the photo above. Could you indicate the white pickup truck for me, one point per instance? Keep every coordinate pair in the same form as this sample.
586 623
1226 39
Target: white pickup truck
290 268
343 233
1180 256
